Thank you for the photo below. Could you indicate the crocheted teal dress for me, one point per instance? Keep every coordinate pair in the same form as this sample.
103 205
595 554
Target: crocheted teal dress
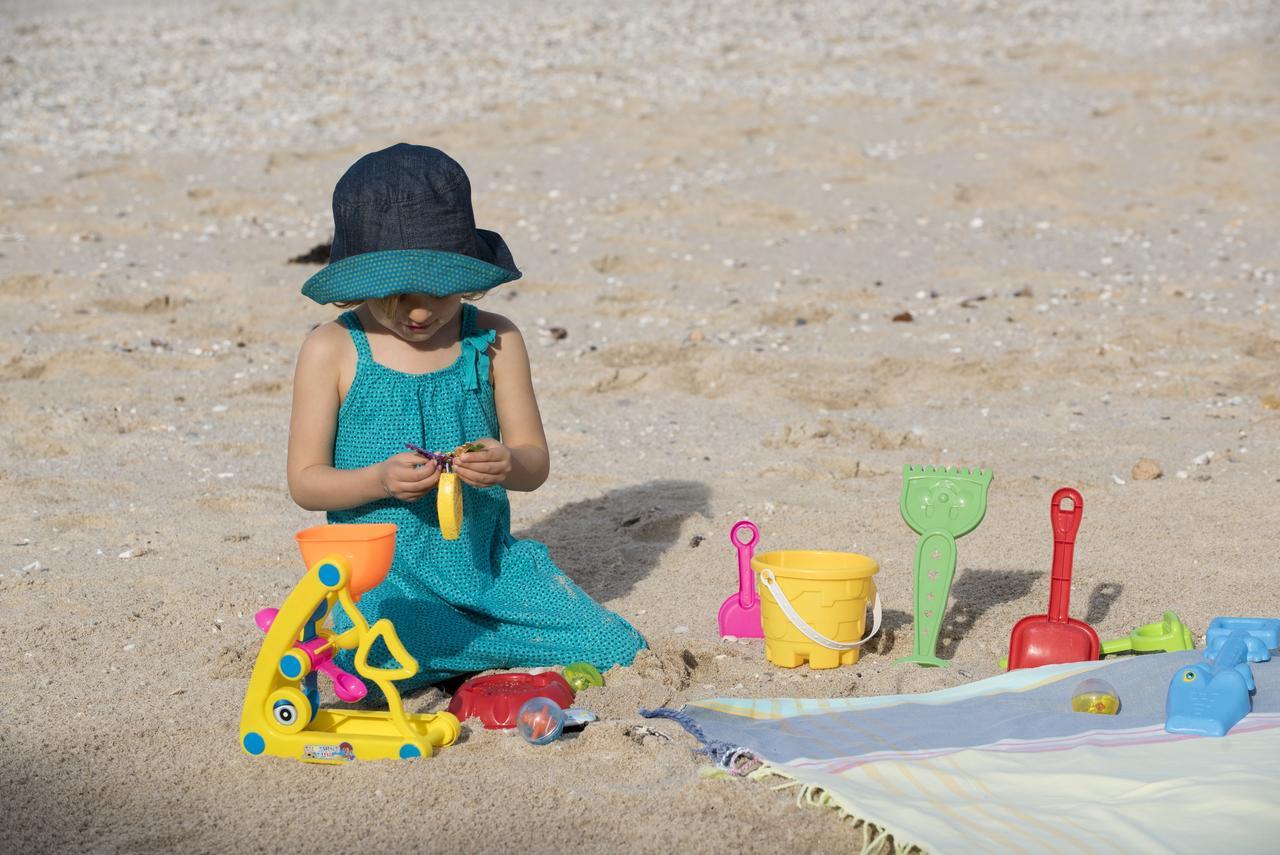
485 600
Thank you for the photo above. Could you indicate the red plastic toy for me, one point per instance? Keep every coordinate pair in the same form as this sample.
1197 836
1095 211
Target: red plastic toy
1056 637
497 698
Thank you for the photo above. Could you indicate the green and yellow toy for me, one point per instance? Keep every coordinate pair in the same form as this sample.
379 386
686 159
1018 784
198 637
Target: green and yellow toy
583 675
1095 696
1166 635
282 714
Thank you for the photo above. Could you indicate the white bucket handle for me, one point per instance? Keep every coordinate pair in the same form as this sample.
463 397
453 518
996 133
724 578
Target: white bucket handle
771 582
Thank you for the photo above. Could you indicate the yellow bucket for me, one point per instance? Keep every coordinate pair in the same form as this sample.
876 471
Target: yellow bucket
813 606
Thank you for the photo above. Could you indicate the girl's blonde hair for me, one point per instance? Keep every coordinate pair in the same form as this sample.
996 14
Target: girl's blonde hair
391 303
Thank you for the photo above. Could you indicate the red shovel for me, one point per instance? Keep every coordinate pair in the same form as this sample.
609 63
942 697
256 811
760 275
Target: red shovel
1056 638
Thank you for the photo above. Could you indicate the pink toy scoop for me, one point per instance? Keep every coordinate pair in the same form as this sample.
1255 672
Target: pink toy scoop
740 613
347 686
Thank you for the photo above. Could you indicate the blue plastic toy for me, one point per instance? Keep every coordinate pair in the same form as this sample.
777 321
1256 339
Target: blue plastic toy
1262 635
1210 697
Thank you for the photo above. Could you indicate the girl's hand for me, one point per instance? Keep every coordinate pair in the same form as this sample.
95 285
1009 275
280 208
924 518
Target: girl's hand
408 476
486 467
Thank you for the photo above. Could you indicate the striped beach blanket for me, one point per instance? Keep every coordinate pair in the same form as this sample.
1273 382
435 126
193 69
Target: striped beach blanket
1003 764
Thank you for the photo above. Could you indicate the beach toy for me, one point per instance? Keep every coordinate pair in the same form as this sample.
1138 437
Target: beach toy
449 505
1095 695
282 714
576 718
1210 697
448 488
1166 635
1261 635
540 720
368 548
582 675
817 606
1055 637
941 504
316 654
496 699
740 613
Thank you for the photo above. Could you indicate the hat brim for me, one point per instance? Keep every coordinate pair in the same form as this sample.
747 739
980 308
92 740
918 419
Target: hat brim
404 271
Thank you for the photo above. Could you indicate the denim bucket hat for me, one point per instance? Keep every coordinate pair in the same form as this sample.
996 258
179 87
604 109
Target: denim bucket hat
403 224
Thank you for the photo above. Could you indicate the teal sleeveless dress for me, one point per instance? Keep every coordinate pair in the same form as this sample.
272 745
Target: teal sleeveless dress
485 600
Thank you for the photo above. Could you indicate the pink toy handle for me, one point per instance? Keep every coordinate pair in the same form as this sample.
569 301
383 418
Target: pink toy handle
746 579
264 618
348 687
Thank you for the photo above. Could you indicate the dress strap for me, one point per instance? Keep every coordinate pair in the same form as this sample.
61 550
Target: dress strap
475 349
351 321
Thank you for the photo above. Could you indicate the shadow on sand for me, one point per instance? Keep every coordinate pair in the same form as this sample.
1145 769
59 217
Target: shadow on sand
608 543
973 593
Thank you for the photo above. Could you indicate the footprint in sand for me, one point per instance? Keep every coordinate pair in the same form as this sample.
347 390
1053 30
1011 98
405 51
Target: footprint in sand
231 663
832 433
157 305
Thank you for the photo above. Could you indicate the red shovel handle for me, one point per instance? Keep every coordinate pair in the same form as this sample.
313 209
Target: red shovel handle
1065 525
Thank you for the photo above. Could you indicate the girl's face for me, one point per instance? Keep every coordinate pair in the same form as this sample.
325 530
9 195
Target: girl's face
416 318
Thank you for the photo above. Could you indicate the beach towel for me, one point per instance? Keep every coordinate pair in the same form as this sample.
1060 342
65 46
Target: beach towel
1004 764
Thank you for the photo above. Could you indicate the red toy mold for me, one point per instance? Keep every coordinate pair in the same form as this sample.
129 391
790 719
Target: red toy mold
496 698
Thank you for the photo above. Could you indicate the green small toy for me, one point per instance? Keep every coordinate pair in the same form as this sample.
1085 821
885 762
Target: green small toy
583 675
1166 635
941 504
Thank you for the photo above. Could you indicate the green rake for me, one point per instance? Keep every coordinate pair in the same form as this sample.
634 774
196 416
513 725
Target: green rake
941 504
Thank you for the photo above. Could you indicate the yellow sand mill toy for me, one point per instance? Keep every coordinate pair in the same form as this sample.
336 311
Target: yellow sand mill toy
282 714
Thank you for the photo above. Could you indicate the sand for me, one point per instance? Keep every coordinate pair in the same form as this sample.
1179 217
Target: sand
793 247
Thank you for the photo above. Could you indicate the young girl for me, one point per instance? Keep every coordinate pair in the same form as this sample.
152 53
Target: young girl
410 362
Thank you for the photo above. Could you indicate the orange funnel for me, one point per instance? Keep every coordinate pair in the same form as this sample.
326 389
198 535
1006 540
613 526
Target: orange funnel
368 546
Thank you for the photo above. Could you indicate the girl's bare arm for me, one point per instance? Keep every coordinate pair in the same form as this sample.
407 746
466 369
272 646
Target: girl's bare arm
313 481
527 462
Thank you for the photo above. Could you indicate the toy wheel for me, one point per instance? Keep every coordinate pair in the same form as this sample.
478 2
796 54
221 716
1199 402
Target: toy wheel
288 710
410 750
294 665
449 505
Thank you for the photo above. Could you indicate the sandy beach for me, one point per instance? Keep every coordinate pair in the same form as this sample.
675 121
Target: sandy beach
773 252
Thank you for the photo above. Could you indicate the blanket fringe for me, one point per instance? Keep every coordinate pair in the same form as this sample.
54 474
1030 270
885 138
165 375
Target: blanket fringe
740 761
875 840
728 757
